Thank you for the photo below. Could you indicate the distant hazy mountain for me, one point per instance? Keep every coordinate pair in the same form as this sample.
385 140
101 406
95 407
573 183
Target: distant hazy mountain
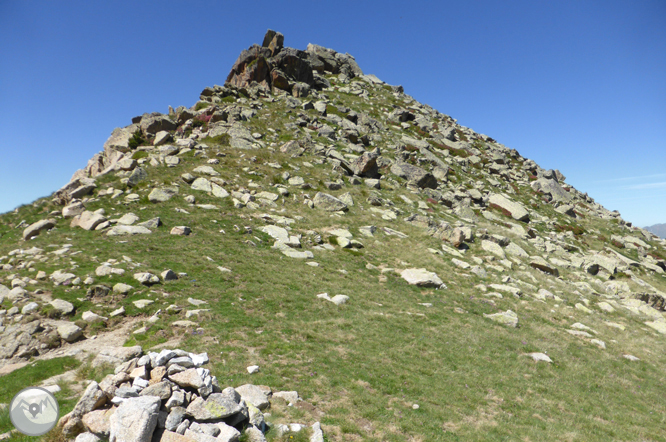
657 229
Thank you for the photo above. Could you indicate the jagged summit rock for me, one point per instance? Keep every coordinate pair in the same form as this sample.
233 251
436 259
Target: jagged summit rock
274 66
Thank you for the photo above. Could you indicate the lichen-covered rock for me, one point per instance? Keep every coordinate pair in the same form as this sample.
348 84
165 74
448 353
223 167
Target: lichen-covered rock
135 420
216 406
328 202
93 397
159 195
508 317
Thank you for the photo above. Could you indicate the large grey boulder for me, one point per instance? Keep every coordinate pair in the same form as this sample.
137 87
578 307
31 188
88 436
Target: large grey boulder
116 355
152 124
162 194
216 406
161 137
146 278
88 220
75 187
59 277
70 332
127 219
294 64
292 147
82 190
516 250
138 175
119 139
508 317
73 209
296 254
91 399
152 223
255 395
33 229
135 420
61 306
552 188
207 170
566 209
160 389
539 263
328 202
189 378
517 210
494 248
550 174
366 164
241 143
218 191
349 65
181 230
409 141
175 417
322 59
202 184
600 261
127 230
125 164
276 232
414 174
97 422
421 278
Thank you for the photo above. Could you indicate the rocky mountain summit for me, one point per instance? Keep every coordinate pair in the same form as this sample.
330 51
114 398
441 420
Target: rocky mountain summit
313 228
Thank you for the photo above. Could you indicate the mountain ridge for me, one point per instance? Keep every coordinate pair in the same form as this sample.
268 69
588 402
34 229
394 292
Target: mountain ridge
657 229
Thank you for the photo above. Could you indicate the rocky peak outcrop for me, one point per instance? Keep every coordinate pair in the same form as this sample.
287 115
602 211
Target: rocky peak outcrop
281 68
270 67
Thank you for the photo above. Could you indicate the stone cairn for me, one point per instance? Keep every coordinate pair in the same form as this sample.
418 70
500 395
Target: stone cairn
170 397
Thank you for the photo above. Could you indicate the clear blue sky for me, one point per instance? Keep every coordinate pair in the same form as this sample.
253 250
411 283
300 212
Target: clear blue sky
575 85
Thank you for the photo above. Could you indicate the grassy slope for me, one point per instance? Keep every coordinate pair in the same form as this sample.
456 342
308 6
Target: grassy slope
361 366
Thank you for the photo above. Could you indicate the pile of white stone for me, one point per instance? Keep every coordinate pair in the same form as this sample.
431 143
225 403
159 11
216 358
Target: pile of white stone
170 397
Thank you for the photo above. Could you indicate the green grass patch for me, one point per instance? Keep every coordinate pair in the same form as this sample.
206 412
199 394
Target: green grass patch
33 374
202 105
216 141
139 154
